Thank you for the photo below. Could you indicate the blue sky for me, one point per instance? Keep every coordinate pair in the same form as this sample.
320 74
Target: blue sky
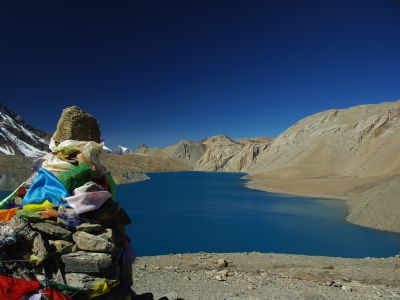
156 72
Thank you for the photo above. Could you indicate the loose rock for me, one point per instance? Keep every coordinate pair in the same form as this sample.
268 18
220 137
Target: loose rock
222 263
346 288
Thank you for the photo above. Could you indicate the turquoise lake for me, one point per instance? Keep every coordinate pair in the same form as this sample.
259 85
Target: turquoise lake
214 212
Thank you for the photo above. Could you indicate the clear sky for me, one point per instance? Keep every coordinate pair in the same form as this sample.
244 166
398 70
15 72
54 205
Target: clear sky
155 72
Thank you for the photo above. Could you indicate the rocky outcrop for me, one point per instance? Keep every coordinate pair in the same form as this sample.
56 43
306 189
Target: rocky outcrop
246 157
219 150
225 154
186 151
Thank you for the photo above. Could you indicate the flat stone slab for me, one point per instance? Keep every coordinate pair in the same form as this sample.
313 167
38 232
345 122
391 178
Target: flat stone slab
53 231
90 228
87 262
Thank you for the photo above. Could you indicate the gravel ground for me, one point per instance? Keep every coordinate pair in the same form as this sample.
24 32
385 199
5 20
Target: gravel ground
266 276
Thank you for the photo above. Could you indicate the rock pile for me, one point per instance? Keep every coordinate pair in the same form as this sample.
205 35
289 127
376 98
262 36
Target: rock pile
77 124
62 233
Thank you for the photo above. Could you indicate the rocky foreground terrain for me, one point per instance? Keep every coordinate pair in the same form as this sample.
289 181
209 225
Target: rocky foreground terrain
254 276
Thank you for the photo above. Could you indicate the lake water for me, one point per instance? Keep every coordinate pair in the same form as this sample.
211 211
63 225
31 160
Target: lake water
215 212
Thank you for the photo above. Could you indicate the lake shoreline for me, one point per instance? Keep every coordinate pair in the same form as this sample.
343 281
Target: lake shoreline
254 275
359 194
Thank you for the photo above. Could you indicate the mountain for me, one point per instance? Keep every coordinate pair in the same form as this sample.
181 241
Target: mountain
361 141
186 152
120 150
106 149
217 153
225 154
19 138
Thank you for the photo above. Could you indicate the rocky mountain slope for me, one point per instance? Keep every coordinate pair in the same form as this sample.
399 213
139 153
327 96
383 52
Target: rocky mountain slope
217 153
19 138
14 170
361 141
185 151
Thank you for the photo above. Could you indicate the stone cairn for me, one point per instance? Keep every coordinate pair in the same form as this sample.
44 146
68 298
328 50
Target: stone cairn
62 232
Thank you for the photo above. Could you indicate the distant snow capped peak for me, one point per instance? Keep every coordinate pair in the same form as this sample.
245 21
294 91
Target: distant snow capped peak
106 149
19 138
120 150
